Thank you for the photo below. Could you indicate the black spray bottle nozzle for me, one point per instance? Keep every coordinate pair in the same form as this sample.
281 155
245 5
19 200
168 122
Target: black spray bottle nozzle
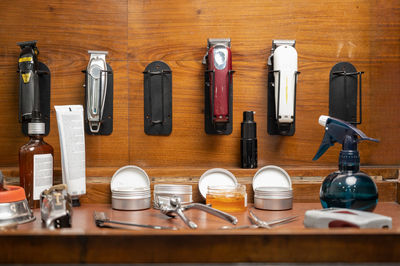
337 130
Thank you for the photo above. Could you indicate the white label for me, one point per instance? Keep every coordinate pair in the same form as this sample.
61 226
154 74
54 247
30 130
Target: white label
42 173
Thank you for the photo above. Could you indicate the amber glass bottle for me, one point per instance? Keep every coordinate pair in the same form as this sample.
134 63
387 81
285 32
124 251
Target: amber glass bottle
35 164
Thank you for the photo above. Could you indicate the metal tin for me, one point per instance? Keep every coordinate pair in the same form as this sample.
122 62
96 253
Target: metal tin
272 189
131 199
163 192
130 189
273 198
216 177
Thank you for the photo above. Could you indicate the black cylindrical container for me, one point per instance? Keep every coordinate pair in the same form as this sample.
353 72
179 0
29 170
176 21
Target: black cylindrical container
248 141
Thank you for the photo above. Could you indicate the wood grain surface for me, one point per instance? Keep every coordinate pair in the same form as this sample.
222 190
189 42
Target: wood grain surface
136 32
85 243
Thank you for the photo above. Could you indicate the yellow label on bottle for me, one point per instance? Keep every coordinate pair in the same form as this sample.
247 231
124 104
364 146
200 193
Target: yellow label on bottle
26 77
26 59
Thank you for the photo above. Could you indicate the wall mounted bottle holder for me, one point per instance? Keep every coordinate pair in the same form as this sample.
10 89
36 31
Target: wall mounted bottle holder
218 89
99 93
343 92
32 71
282 84
157 99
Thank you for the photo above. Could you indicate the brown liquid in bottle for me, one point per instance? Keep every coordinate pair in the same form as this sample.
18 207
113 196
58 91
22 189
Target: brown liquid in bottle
35 146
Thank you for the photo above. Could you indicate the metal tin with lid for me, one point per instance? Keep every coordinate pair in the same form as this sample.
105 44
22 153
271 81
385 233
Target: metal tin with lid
130 189
272 189
163 192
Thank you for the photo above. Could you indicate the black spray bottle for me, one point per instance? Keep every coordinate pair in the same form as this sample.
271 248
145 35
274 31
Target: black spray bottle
248 141
349 187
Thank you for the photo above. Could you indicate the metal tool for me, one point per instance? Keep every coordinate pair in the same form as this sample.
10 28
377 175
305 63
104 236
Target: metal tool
56 207
101 220
96 87
264 224
257 223
175 208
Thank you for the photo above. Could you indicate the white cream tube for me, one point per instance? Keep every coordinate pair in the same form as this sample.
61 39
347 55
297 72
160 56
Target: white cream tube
72 145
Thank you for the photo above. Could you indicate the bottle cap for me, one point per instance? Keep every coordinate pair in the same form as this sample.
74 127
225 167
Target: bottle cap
322 120
248 116
36 128
75 202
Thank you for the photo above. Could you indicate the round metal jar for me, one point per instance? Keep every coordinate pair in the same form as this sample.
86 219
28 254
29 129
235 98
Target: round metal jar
163 192
273 198
131 199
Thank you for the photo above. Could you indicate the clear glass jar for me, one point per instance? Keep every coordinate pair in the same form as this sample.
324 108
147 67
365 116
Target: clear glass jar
227 198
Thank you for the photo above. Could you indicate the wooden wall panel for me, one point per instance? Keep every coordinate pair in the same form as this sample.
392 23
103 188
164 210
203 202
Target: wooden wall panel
383 119
65 31
136 32
326 32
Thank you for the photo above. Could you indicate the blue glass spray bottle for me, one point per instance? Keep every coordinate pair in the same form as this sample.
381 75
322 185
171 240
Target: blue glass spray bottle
349 187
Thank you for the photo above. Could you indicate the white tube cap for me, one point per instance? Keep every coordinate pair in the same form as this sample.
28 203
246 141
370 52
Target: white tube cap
322 120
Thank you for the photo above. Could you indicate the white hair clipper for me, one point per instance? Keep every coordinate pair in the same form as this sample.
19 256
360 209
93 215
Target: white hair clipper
282 85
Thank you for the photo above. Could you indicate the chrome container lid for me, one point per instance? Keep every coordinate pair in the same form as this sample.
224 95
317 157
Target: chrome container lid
172 189
273 192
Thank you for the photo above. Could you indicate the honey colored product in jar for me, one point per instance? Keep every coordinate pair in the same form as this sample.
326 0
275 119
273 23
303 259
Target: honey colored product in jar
227 198
35 163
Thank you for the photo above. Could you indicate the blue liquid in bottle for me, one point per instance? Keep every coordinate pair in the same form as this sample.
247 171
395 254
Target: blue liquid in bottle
348 187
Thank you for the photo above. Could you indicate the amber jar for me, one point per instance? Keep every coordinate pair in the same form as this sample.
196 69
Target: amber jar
227 198
35 167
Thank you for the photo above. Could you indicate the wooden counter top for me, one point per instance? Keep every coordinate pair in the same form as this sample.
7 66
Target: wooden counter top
84 242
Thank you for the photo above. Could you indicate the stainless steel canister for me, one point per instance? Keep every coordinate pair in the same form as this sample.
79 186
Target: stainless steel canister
163 192
273 198
131 199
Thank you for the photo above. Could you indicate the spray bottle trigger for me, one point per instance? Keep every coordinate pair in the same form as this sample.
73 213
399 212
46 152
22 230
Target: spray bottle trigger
326 143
